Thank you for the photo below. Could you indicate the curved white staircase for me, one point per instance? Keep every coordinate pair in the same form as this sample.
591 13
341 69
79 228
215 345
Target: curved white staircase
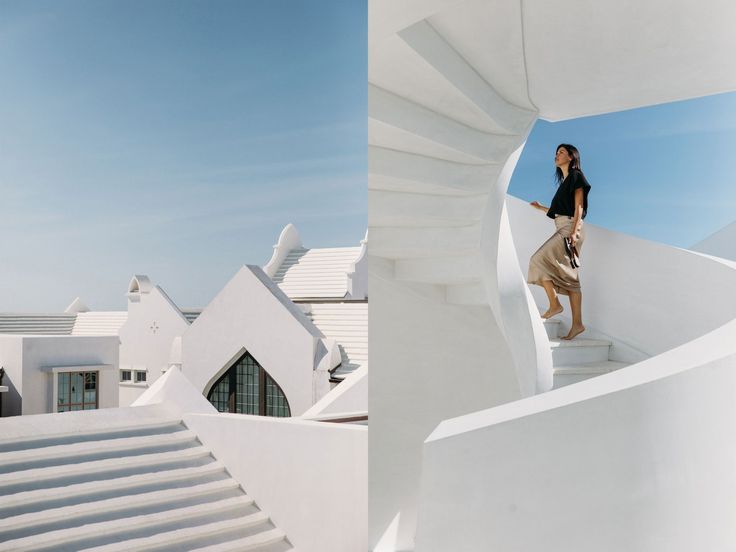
150 485
449 110
578 359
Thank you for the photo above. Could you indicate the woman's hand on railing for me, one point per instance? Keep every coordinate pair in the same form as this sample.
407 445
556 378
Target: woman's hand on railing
539 206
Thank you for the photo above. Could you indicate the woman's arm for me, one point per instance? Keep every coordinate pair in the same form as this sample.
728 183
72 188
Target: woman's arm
539 206
578 214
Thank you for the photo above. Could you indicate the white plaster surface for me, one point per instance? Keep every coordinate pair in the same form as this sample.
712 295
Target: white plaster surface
252 314
721 243
434 112
27 358
641 449
351 395
153 322
311 477
437 360
19 428
175 391
686 45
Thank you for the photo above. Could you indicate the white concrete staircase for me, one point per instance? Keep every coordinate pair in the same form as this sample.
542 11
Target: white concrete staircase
148 486
578 359
431 171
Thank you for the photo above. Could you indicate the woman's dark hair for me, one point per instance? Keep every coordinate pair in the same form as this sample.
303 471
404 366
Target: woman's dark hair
573 152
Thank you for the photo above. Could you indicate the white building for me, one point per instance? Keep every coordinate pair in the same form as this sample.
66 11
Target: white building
470 449
169 471
303 320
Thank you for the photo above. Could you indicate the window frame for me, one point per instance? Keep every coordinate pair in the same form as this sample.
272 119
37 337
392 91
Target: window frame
264 380
67 407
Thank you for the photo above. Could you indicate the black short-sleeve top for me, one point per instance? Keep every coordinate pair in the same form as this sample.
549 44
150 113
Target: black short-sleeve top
564 201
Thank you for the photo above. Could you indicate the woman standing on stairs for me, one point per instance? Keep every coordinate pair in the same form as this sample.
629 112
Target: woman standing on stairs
554 265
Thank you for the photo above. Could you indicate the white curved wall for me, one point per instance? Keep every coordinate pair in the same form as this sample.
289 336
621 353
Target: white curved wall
436 360
721 243
637 460
453 87
647 295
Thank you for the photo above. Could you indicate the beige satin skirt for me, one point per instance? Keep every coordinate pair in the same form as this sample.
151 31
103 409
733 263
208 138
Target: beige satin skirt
550 262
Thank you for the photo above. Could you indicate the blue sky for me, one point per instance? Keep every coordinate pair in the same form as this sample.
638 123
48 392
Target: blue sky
174 139
664 173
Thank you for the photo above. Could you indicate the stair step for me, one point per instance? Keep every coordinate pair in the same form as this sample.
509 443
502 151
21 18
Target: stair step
183 536
399 209
567 375
68 452
578 351
402 113
107 528
400 171
436 51
100 466
596 368
412 243
453 270
552 327
125 502
471 293
131 482
247 543
37 441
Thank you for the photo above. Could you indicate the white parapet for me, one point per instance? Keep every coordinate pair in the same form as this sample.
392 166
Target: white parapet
636 460
311 477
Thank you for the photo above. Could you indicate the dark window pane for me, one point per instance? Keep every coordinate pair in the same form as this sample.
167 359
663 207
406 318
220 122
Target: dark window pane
243 383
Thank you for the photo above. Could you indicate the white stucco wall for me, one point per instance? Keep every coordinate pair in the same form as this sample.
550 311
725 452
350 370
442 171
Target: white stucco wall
310 477
637 460
177 393
437 360
146 337
28 358
11 358
349 396
252 314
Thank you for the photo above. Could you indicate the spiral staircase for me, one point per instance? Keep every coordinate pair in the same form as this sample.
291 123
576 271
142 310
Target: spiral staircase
451 84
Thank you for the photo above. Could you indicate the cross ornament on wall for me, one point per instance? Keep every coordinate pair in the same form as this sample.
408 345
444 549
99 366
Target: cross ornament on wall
154 327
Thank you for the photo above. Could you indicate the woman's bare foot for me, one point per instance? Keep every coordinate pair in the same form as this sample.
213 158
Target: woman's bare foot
553 310
575 330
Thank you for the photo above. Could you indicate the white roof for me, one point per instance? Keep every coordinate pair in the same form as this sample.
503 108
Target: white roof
83 323
99 323
347 324
316 273
37 324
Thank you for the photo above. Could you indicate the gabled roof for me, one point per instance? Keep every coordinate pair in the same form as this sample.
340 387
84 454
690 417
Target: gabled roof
316 273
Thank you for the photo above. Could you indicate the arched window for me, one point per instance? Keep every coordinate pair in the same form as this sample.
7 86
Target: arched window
246 388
